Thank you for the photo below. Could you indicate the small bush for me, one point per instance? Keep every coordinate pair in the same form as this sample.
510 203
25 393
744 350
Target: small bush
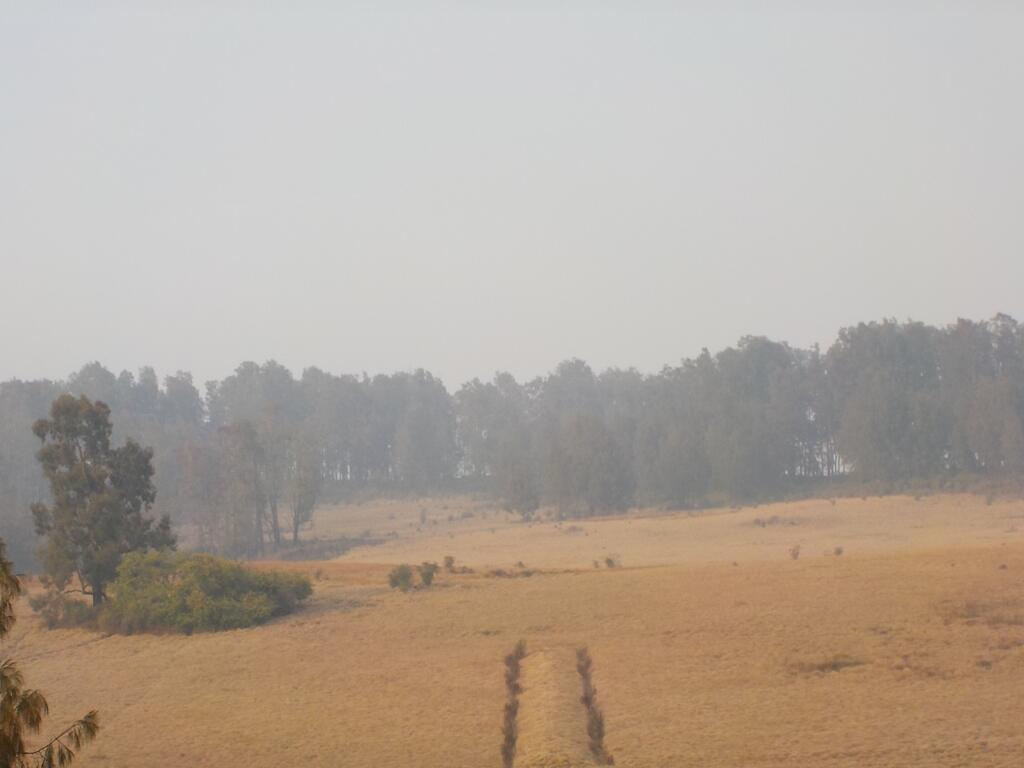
427 571
449 563
794 552
162 591
837 551
400 578
57 609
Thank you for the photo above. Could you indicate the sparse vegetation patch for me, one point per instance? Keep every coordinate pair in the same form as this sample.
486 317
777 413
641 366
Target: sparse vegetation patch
1001 613
509 727
832 664
595 718
401 576
501 573
765 522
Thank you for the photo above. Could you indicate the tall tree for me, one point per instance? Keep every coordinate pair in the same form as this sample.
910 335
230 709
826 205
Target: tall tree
21 479
100 497
267 398
304 478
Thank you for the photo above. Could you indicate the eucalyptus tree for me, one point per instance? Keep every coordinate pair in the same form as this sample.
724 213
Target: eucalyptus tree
100 497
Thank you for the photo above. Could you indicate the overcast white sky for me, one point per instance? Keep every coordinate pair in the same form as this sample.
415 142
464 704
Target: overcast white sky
477 186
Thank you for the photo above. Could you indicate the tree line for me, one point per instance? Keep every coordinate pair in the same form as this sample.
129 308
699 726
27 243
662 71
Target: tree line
245 463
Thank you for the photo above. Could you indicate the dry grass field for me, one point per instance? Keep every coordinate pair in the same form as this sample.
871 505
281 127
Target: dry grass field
712 646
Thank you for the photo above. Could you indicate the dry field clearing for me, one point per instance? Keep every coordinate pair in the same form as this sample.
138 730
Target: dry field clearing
482 535
711 646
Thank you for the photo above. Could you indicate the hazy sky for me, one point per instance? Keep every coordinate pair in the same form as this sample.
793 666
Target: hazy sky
477 186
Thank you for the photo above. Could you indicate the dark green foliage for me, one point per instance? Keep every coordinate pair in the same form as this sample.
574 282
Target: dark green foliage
100 497
586 471
400 577
163 591
58 609
22 710
426 572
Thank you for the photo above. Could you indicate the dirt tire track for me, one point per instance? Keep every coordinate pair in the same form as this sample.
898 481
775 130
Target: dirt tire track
552 720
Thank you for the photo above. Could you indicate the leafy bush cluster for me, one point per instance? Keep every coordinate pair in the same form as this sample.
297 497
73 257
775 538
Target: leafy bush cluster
57 609
401 576
162 591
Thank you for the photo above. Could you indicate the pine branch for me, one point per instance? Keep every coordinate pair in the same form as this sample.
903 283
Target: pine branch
78 733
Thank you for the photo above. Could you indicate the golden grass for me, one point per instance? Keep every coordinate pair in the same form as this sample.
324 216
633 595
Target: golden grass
552 721
493 539
908 650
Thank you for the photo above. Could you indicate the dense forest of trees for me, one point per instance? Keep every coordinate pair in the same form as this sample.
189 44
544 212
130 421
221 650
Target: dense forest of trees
245 463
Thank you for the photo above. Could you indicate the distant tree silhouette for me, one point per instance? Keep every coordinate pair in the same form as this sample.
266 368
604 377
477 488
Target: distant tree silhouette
888 403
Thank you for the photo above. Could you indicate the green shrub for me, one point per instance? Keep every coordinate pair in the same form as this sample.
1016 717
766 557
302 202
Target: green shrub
57 609
400 578
427 571
197 593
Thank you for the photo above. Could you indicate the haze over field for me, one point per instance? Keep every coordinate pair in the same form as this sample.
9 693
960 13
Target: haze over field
468 188
905 650
519 385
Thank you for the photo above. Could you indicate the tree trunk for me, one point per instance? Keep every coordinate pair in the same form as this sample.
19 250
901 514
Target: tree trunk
275 524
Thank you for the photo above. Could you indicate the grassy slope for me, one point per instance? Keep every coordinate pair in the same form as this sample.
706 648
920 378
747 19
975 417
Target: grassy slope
698 661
